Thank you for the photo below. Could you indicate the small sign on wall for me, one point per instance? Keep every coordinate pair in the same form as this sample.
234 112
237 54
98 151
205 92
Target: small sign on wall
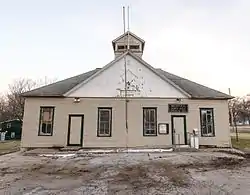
163 128
180 108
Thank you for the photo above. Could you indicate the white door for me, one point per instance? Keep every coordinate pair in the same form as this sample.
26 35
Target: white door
75 131
179 131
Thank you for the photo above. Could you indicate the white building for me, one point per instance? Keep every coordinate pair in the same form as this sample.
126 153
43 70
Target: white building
89 110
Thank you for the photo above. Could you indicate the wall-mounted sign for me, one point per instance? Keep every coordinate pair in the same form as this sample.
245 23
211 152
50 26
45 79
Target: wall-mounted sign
163 128
177 108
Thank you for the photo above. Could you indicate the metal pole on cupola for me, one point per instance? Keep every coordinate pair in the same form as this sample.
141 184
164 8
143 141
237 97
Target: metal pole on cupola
125 77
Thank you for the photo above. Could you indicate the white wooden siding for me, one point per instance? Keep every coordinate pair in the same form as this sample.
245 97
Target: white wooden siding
144 82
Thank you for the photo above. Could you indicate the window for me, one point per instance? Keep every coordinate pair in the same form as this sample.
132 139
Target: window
149 121
8 125
12 135
121 47
104 122
46 121
207 122
134 47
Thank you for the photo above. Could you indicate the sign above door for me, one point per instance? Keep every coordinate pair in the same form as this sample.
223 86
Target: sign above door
179 108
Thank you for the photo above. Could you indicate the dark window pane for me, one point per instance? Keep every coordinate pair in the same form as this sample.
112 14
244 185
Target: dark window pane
134 46
102 127
49 128
146 115
209 130
44 127
204 129
107 130
104 115
122 46
152 116
209 118
204 118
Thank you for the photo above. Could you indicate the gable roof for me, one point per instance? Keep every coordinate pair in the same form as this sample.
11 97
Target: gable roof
125 34
197 91
138 59
187 87
59 88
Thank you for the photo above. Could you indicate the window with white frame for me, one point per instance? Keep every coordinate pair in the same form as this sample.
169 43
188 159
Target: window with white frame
121 47
46 121
134 47
104 122
8 125
149 121
207 122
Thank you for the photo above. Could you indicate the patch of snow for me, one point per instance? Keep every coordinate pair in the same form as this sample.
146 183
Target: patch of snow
97 151
149 150
130 150
57 155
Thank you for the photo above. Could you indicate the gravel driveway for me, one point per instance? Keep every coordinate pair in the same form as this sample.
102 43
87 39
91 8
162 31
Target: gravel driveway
125 173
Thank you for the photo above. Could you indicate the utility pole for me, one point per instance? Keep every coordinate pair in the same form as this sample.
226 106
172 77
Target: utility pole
232 118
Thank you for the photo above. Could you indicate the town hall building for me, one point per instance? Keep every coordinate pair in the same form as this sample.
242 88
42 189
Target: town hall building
126 103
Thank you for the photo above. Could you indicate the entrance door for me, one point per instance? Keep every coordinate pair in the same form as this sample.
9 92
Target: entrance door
75 130
179 132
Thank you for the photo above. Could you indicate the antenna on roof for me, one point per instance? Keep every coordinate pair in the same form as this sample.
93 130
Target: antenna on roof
124 26
125 80
128 29
128 18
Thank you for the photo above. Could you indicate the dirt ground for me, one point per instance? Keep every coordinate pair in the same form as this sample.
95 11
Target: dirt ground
125 173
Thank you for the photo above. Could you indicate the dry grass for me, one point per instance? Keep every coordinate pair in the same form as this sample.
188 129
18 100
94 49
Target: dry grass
244 141
9 146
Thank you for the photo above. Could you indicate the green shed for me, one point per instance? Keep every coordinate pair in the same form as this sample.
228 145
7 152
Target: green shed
12 129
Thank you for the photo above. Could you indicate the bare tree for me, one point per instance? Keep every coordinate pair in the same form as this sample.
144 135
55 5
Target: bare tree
236 107
4 115
15 102
245 109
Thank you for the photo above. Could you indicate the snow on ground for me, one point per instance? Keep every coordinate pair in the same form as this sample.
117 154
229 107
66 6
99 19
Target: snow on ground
125 173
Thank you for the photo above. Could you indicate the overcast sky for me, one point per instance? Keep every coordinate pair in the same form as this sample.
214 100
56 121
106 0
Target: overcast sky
207 41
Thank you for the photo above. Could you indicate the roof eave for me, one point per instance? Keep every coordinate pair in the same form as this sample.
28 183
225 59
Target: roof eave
43 96
124 34
212 98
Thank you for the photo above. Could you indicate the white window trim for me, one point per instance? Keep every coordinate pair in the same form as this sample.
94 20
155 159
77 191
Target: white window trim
213 125
40 133
99 134
155 129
